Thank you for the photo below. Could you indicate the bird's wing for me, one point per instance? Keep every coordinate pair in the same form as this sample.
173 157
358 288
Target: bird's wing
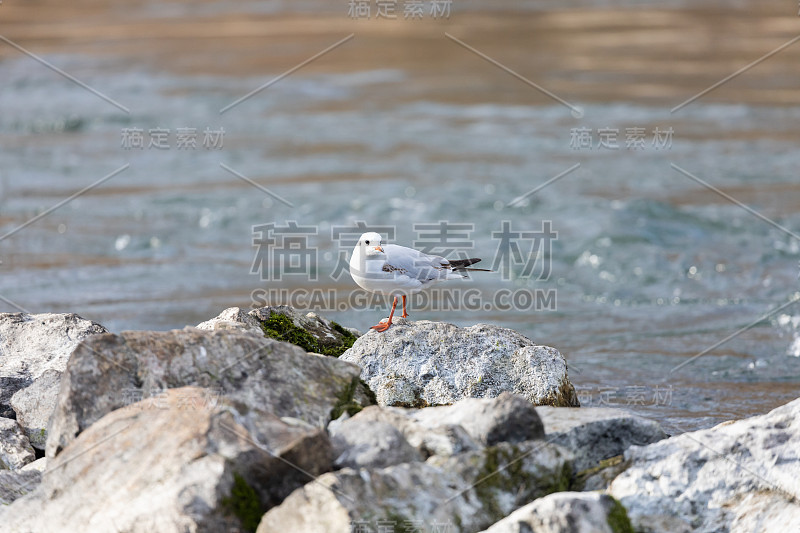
414 263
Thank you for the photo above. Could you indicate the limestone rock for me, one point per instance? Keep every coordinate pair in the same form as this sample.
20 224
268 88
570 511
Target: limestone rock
38 465
109 371
15 449
432 439
567 512
597 433
233 319
181 465
35 404
362 443
466 492
15 484
32 344
418 364
506 418
739 476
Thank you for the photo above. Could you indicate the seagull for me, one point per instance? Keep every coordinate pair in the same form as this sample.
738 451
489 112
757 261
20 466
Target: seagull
397 271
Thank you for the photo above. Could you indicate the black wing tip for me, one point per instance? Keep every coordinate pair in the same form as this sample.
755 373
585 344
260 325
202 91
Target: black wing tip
463 263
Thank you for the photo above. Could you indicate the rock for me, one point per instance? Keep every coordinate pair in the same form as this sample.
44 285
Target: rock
419 364
600 477
15 449
233 319
35 404
739 476
38 465
466 492
403 435
597 433
32 344
181 465
15 484
434 439
310 331
506 418
109 371
506 476
567 512
362 443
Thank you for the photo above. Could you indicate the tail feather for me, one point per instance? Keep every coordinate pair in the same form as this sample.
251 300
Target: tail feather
459 265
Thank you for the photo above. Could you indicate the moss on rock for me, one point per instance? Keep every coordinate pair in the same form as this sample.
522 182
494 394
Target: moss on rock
504 472
281 327
346 401
244 503
582 476
618 519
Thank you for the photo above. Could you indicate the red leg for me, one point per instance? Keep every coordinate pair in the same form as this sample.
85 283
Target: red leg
384 326
404 308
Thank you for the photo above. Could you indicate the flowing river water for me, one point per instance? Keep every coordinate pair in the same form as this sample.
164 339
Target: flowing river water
664 245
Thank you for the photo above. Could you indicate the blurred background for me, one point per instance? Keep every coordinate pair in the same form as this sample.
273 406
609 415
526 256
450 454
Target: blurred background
417 119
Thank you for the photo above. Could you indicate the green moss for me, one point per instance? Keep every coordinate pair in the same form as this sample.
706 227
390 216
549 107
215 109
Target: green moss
618 519
348 339
373 400
497 479
504 472
282 328
560 482
244 503
396 521
583 475
345 401
458 522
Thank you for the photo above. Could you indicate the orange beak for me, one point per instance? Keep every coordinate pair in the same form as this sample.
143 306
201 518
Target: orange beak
379 249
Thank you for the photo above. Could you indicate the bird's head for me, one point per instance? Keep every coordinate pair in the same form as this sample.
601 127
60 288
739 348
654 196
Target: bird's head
369 244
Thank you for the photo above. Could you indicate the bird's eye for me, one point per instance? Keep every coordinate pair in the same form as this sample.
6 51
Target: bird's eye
367 243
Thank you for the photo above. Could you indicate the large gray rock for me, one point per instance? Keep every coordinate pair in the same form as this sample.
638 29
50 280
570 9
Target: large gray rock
233 319
418 364
433 439
398 435
35 404
468 492
181 465
363 443
506 418
15 449
15 484
567 512
739 476
32 344
597 433
108 371
310 331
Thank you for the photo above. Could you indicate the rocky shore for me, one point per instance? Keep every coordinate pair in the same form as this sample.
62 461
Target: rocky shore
275 420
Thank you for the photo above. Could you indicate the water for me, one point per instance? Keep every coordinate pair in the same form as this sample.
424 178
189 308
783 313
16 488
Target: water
650 267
